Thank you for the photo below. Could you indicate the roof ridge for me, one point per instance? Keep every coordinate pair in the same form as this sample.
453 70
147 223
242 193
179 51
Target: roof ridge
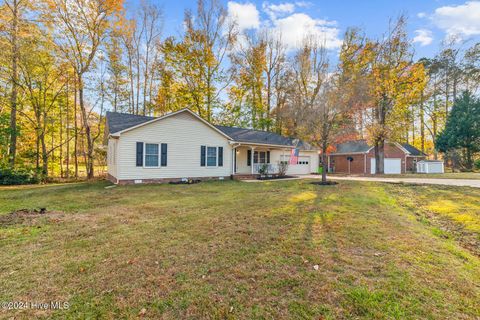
234 127
131 114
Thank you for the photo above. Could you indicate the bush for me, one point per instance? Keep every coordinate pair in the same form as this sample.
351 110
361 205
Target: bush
477 164
263 170
9 176
282 168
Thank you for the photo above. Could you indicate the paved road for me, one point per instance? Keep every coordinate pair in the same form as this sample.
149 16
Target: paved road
445 182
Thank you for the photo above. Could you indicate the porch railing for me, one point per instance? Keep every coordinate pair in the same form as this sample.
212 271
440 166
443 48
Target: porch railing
272 168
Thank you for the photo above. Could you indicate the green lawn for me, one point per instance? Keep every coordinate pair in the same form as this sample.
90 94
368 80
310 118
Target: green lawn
447 175
274 250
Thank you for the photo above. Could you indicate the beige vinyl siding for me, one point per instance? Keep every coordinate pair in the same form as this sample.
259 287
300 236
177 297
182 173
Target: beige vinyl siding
112 157
311 156
184 134
275 157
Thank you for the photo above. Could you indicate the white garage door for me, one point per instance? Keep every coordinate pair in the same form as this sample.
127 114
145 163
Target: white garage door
302 167
390 166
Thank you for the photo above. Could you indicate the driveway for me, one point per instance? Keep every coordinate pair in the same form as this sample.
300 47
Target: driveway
445 182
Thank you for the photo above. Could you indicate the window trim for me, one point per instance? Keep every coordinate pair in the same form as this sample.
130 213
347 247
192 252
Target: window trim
145 155
258 157
206 156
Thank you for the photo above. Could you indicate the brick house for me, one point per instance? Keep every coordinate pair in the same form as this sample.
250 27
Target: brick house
358 157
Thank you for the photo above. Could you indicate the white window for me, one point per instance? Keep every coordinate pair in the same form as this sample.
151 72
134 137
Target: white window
260 157
151 155
211 156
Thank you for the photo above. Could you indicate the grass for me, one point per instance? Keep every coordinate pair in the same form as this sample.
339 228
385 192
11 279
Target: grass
234 250
446 175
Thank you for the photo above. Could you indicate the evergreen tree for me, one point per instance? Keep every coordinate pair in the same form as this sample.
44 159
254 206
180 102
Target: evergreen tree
462 131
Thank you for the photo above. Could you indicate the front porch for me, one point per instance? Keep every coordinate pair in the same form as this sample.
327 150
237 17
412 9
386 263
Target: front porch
250 160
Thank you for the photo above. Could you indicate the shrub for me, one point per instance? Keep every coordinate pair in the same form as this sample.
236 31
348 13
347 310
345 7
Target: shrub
477 164
282 168
9 176
263 170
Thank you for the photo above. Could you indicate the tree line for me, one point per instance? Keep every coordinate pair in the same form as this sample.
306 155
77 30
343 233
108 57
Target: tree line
65 62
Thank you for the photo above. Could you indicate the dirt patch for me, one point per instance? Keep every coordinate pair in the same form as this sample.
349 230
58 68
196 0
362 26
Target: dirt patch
27 216
275 177
326 183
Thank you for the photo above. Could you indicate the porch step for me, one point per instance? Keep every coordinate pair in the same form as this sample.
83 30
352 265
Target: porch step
244 176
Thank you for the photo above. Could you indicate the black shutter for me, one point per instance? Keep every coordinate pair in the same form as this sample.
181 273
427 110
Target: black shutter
139 154
164 155
249 157
220 156
268 156
203 150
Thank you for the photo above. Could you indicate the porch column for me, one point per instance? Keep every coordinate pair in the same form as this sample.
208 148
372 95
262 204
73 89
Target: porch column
234 149
251 158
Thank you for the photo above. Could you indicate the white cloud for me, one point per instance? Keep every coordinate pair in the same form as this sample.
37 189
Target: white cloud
460 20
423 36
421 14
278 10
295 27
303 4
246 15
283 19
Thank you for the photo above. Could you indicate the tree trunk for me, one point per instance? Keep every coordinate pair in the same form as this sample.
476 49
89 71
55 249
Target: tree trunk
44 155
324 162
138 85
379 156
37 153
86 125
269 99
422 124
75 142
60 159
14 79
67 126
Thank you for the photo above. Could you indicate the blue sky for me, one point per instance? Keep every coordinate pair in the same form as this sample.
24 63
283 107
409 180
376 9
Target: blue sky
429 21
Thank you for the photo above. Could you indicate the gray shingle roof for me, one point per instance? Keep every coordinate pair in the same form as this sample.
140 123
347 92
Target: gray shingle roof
361 146
353 147
413 151
255 136
120 121
117 121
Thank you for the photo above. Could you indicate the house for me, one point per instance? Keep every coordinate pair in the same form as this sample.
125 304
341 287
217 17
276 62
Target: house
358 157
181 145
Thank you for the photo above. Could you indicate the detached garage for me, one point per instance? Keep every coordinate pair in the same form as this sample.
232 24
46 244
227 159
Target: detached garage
430 166
358 157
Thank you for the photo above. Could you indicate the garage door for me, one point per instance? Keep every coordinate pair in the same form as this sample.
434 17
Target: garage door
390 166
302 167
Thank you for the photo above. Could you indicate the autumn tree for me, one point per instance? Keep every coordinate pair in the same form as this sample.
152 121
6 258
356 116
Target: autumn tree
392 81
250 62
309 70
259 70
42 83
198 60
14 29
82 26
